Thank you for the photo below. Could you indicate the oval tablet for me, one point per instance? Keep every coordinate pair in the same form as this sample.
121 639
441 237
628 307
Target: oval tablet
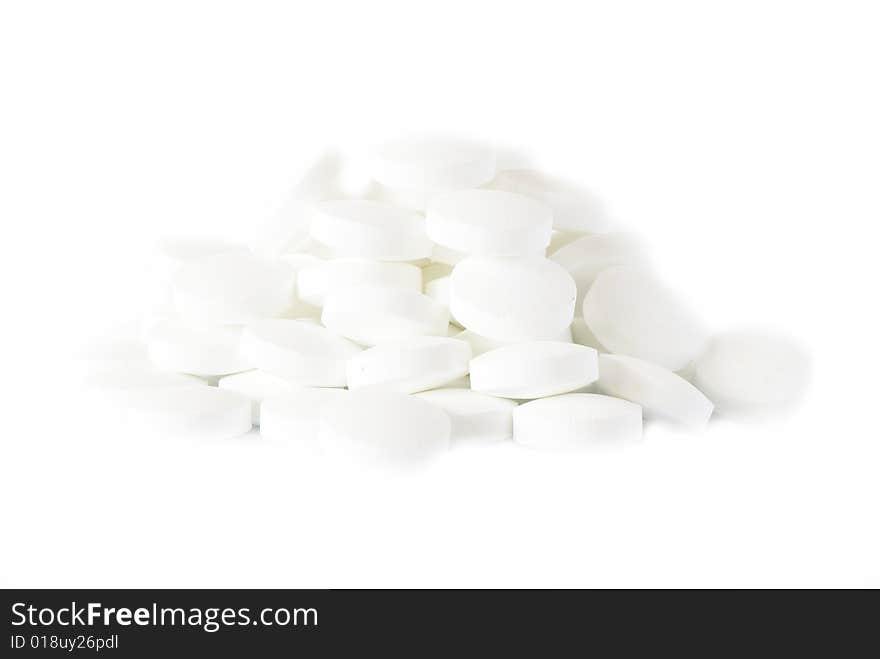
534 369
431 163
256 386
476 418
630 313
659 391
751 373
384 426
199 412
295 416
512 299
410 365
315 282
301 352
233 288
202 350
573 421
489 222
370 230
376 314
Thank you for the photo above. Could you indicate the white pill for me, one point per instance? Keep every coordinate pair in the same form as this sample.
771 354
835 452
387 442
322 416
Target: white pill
301 352
197 412
200 350
659 391
477 418
371 314
432 164
295 416
534 369
370 230
582 335
512 299
287 230
574 208
384 426
573 421
315 282
489 222
256 386
587 256
751 373
410 365
233 288
631 313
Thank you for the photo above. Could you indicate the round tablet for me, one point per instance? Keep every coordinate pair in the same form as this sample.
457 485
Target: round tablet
301 352
574 208
295 416
631 313
256 386
512 299
198 412
587 256
489 222
316 281
751 373
371 230
200 350
384 426
573 421
410 365
534 369
376 314
659 391
477 418
430 163
233 288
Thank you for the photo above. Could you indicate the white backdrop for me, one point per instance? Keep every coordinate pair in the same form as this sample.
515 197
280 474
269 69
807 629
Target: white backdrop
740 139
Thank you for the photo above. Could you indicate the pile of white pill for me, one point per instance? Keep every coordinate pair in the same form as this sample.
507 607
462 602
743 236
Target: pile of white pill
446 302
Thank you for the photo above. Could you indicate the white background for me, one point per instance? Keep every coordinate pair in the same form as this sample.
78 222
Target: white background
740 138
